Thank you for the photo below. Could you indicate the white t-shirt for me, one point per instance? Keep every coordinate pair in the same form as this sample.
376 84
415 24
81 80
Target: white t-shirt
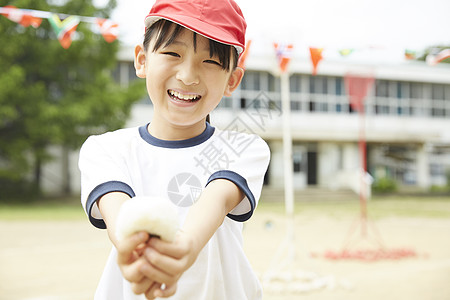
138 164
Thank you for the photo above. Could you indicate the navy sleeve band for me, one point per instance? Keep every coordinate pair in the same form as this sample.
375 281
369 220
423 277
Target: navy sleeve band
101 190
241 183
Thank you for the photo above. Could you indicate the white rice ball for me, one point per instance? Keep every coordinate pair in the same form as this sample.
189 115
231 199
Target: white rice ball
156 216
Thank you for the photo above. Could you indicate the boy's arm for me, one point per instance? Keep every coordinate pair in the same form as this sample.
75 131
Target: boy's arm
168 261
209 212
129 251
109 206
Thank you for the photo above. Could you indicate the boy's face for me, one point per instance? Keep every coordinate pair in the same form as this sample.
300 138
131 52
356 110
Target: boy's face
184 83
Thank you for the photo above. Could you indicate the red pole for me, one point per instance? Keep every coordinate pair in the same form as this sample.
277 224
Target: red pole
363 151
357 88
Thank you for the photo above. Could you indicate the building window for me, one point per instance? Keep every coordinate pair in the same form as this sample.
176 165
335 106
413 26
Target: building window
295 83
381 88
296 106
438 108
438 91
416 90
251 81
338 81
318 85
243 103
274 83
298 162
399 90
328 94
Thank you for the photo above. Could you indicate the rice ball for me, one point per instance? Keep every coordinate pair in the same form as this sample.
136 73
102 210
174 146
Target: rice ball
157 216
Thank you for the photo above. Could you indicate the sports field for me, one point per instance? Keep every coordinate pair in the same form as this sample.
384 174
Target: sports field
51 252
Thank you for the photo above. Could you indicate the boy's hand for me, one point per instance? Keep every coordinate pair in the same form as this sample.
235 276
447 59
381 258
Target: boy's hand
130 260
167 262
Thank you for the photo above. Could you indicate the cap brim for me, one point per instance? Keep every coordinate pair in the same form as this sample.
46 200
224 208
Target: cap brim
200 27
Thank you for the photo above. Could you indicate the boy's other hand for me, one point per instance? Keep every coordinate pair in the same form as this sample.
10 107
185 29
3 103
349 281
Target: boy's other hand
168 261
130 260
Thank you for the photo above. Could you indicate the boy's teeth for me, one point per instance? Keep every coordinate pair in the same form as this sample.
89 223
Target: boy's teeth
183 97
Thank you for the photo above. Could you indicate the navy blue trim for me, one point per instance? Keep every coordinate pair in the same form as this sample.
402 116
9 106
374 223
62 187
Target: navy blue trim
197 140
241 183
101 190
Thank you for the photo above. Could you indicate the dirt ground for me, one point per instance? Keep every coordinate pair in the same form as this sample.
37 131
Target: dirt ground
45 260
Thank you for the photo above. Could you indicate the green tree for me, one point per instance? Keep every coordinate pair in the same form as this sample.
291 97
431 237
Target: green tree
55 96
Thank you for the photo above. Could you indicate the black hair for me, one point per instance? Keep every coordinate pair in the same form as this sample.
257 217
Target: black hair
166 32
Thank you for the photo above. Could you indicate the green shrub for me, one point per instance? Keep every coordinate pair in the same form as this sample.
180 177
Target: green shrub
447 174
440 189
384 185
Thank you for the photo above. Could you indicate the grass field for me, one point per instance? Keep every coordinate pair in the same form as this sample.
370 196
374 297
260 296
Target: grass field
378 207
46 209
48 246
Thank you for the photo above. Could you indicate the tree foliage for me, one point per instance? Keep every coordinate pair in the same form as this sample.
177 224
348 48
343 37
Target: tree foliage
55 96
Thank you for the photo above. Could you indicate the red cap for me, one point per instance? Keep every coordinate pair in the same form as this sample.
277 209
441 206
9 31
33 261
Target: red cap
218 20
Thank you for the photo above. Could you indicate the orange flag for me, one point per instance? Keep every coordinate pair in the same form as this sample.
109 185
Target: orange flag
284 54
241 62
21 16
410 54
28 20
316 57
108 29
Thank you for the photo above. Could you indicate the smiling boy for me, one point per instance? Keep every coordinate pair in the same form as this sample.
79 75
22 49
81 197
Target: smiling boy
188 59
186 78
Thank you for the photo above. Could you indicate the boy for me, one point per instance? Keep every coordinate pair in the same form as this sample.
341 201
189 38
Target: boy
188 59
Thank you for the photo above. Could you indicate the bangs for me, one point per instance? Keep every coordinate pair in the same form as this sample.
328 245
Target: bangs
165 33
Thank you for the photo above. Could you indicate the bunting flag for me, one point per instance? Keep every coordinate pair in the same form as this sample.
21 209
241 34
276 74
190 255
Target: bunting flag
241 62
20 16
434 59
65 29
346 52
108 29
410 54
357 87
284 54
316 57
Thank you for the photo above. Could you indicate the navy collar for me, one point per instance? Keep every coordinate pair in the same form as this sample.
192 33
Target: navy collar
197 140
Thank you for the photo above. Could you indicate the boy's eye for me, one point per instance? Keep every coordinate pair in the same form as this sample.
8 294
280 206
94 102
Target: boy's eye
174 54
214 62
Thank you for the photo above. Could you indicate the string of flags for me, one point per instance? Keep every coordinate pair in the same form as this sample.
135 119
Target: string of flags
283 53
63 25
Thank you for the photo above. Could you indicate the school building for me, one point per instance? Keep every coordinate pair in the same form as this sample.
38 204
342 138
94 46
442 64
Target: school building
406 121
